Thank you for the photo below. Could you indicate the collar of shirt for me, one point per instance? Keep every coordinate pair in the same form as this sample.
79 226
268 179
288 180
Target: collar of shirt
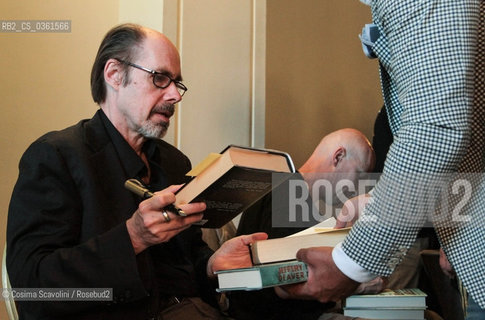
133 165
366 2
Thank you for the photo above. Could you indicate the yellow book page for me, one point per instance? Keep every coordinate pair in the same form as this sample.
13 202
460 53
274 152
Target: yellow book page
203 164
323 230
323 226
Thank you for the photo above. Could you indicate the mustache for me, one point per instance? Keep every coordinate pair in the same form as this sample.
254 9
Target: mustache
167 109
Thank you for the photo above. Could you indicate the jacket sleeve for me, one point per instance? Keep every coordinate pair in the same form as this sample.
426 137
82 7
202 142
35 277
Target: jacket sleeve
427 56
43 237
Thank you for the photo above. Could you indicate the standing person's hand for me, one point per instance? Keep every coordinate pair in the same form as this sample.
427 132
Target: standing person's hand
351 210
325 281
446 265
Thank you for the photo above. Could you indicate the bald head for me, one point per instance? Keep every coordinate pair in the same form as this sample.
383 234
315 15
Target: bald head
157 44
341 151
341 155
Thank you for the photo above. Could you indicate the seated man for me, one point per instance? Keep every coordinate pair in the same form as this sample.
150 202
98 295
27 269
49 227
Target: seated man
71 222
343 154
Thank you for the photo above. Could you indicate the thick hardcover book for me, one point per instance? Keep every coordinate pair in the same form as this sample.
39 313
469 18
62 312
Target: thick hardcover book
262 276
232 181
404 298
285 249
388 314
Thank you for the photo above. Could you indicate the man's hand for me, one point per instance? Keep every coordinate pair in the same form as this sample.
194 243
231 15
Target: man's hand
351 210
372 287
446 265
325 281
148 226
234 253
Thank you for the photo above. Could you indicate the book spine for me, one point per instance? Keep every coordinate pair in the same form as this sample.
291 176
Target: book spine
281 274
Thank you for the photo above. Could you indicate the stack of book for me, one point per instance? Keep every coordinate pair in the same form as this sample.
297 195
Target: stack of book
262 276
408 304
274 260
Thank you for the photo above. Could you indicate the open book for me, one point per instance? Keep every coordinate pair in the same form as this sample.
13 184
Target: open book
233 180
285 249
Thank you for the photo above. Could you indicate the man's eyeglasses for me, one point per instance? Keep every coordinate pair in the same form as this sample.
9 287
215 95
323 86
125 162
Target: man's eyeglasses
160 80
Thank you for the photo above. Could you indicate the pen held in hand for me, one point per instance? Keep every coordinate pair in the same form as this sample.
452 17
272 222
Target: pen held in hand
139 189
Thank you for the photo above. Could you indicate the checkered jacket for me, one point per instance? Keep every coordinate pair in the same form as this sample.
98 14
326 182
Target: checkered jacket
431 57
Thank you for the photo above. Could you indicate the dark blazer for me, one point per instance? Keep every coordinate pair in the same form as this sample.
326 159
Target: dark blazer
66 228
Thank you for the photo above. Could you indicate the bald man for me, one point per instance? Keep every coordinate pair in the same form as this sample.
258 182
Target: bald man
344 154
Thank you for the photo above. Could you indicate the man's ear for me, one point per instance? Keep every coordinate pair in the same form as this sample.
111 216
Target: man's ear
113 73
338 156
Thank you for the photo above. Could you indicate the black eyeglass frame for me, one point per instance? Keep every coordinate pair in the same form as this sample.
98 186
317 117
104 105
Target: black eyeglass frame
181 88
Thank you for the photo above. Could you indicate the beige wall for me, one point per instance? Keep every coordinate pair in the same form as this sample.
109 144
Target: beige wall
317 78
45 78
213 114
220 45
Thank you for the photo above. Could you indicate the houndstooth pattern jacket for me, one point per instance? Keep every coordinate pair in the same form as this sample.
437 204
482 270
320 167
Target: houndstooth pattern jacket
431 55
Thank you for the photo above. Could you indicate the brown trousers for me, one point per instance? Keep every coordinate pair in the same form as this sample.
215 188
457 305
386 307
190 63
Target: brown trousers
191 309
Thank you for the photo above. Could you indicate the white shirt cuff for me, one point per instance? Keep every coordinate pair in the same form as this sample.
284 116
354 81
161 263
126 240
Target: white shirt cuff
349 267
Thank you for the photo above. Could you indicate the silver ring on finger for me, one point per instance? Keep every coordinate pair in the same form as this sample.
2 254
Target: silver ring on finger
166 216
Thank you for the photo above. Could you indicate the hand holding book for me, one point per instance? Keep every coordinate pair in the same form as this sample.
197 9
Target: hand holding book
233 253
325 281
275 261
351 210
373 286
233 180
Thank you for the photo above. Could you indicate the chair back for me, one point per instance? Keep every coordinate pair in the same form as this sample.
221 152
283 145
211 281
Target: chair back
9 301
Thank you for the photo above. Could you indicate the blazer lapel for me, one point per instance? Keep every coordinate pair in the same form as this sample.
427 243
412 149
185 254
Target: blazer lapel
108 170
